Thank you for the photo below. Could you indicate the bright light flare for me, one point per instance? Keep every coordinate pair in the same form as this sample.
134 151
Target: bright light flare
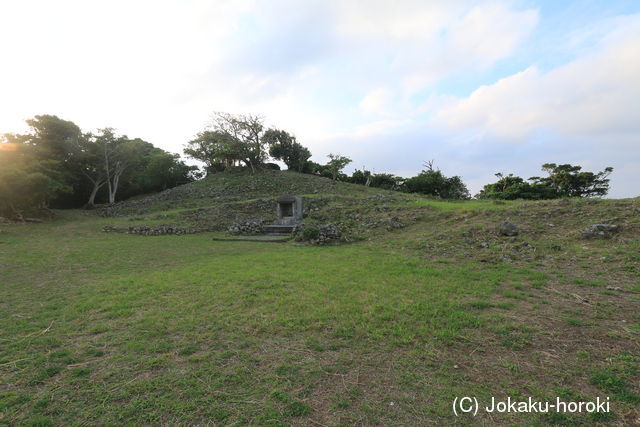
9 146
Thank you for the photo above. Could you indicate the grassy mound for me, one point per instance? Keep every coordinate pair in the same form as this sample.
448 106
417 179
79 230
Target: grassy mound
216 202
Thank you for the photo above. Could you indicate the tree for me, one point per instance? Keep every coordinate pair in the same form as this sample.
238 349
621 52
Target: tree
243 133
377 180
512 187
56 142
433 182
215 149
91 166
230 138
73 167
362 177
27 182
568 180
563 181
54 138
336 163
117 155
386 180
164 170
283 146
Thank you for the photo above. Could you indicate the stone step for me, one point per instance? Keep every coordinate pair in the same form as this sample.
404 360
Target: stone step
280 229
258 238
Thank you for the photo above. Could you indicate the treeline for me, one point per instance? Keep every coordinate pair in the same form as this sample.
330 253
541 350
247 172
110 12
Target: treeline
562 181
234 141
57 165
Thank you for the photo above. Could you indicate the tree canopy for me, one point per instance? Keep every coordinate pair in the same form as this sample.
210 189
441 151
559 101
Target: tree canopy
283 146
564 180
56 164
336 163
434 183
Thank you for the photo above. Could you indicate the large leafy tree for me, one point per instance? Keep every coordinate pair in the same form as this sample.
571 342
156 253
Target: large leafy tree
216 149
57 143
55 163
242 134
563 181
336 163
54 138
241 139
283 146
378 180
118 155
164 170
433 182
570 181
27 181
510 187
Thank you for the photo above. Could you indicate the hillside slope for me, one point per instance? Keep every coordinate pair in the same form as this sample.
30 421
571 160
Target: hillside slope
216 202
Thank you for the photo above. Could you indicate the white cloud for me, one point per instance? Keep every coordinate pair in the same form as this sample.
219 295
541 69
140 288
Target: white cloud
595 94
377 101
157 69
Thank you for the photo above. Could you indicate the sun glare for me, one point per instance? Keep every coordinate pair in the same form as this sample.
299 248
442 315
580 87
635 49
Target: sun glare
8 146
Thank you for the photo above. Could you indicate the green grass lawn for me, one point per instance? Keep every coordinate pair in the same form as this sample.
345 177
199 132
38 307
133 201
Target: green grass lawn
103 328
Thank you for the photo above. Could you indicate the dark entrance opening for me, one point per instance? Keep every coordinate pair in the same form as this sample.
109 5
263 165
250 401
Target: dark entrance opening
286 209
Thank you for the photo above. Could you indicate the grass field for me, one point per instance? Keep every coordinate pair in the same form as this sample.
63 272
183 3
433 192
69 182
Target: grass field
108 328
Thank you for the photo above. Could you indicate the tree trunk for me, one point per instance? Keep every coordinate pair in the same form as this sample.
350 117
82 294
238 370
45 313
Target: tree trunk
94 192
114 187
108 172
250 163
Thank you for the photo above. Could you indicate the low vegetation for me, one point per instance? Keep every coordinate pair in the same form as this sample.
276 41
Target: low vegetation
428 301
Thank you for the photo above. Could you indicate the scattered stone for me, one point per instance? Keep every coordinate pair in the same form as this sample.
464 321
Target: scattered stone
505 258
507 228
499 202
472 231
615 288
610 220
564 202
600 231
484 245
247 227
111 229
145 230
393 223
318 235
158 231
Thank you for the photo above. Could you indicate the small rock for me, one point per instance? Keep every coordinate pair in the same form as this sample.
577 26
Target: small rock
505 258
614 288
507 228
484 245
600 231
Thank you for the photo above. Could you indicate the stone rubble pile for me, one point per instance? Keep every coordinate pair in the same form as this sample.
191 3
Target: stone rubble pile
600 231
247 227
145 230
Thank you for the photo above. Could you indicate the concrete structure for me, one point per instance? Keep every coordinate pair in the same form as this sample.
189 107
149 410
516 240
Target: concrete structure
289 213
289 210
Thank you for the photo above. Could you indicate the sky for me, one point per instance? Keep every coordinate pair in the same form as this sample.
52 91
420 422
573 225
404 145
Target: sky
477 86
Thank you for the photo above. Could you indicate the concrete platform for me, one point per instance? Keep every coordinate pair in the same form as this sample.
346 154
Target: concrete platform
273 238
